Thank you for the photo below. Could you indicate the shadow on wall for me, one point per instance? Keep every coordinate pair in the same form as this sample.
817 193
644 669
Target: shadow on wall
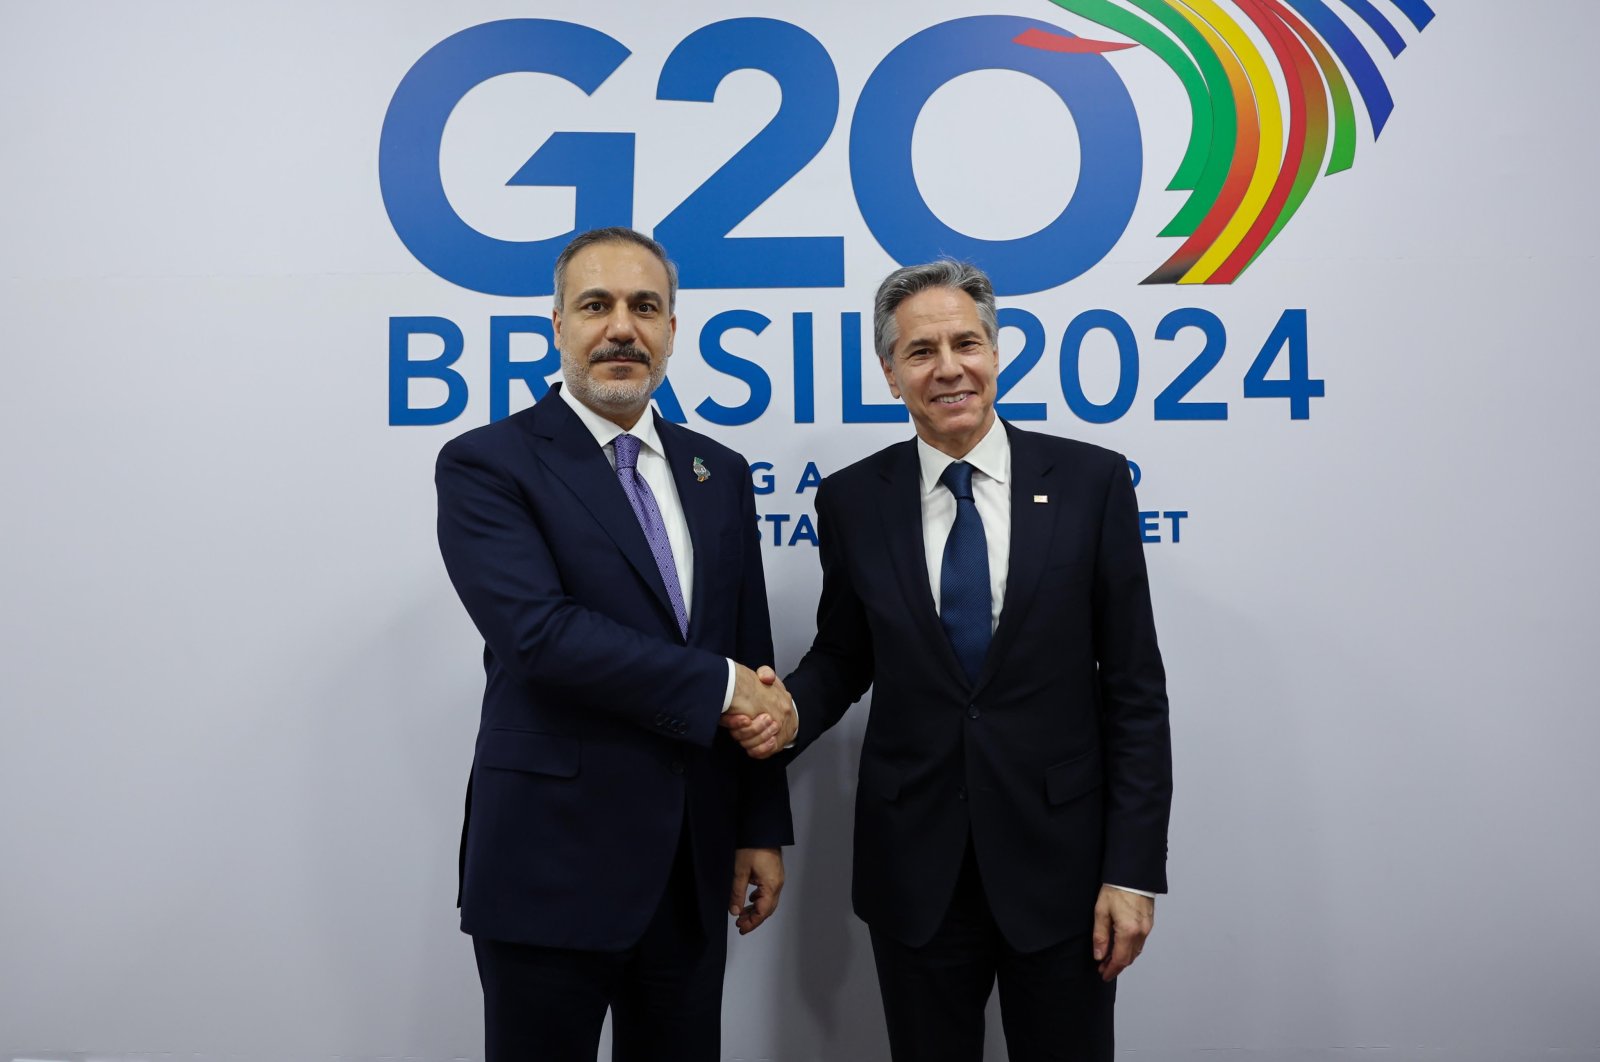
385 780
825 1004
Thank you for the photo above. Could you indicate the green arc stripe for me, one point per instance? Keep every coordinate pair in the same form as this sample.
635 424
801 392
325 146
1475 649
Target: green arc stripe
1213 121
1224 124
1343 155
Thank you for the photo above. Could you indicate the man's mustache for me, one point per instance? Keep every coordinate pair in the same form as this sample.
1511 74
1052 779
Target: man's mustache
629 353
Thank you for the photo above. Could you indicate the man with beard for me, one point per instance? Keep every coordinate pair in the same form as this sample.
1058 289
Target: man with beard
610 561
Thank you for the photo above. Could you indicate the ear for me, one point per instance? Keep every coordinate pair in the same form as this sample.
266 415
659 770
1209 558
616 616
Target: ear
672 333
555 324
888 378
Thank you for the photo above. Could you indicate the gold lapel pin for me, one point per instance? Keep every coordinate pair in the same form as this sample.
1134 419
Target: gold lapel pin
701 472
1040 499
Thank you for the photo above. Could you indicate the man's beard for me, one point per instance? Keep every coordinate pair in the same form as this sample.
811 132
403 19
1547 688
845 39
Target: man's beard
612 396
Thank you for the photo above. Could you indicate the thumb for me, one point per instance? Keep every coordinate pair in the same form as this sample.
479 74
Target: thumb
766 675
741 882
1102 930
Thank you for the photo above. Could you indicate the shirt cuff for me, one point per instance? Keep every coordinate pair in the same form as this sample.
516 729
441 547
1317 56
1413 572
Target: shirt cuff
733 678
1136 892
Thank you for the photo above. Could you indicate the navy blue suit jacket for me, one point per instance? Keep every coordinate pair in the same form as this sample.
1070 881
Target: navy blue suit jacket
1057 762
598 738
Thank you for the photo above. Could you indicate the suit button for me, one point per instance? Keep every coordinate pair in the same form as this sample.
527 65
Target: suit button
961 794
676 767
972 711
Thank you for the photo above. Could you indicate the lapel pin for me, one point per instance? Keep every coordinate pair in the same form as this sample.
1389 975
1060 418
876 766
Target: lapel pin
1041 499
701 472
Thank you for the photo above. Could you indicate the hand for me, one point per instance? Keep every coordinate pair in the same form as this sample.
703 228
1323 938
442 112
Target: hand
762 717
1122 921
761 871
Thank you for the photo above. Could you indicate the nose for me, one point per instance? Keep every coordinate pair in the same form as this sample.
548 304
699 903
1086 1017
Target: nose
947 364
620 324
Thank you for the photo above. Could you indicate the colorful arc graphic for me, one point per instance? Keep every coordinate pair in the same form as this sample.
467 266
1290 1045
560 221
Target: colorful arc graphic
1254 149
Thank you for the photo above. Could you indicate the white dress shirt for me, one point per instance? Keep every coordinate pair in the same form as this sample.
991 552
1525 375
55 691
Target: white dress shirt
991 493
652 468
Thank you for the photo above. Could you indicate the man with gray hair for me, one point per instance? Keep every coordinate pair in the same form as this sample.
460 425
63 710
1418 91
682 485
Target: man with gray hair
989 585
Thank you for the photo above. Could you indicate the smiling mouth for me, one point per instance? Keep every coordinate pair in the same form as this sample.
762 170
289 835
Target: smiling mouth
955 399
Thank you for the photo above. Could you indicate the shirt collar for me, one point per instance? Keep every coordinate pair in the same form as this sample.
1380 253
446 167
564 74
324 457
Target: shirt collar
605 431
991 456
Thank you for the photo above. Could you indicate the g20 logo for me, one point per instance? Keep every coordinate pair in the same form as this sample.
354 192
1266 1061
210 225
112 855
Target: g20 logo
1255 149
600 166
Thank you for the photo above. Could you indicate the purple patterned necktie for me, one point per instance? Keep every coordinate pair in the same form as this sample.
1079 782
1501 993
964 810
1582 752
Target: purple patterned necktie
655 531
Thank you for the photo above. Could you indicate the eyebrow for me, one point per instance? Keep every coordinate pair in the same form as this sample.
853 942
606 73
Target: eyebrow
928 341
603 293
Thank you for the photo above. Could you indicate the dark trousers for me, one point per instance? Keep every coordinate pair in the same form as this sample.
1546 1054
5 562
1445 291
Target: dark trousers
664 993
1053 1005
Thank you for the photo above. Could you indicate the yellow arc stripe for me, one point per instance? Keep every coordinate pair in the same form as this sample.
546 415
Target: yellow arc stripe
1245 124
1269 152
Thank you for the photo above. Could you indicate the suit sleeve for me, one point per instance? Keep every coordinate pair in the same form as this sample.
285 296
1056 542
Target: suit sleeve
507 578
1133 698
837 670
764 820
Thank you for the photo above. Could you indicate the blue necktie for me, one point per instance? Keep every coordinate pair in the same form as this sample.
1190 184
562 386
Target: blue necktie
964 605
649 516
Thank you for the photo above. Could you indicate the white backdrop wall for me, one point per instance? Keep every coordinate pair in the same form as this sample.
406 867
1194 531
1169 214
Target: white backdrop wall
239 696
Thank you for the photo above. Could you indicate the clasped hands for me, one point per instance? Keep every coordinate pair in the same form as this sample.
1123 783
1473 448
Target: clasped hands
762 717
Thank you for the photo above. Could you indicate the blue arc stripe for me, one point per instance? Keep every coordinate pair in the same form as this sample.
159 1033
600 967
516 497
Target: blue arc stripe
1353 57
1417 11
1380 25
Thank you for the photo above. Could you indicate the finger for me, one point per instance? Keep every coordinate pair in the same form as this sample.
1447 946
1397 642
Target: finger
762 903
766 899
1102 931
749 731
752 915
741 883
1121 955
760 730
766 675
762 742
736 722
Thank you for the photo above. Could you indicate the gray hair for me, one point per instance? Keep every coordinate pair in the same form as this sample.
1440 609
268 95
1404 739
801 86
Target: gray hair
615 234
900 285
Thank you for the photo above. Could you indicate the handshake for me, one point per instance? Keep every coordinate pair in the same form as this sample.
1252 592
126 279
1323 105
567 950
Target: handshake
761 717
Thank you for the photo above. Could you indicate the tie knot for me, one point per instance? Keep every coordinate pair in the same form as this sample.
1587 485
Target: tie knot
958 477
627 450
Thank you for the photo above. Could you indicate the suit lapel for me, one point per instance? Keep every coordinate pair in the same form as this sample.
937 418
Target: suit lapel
900 505
573 457
1032 527
699 505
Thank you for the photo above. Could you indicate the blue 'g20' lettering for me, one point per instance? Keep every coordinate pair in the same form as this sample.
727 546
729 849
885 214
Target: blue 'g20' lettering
600 166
